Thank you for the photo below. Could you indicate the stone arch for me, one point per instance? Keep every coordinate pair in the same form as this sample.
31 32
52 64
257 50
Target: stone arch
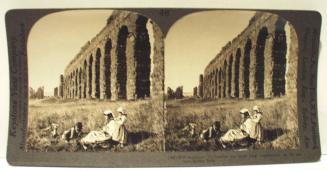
76 83
246 71
216 82
73 84
121 62
97 73
80 83
237 72
85 79
107 71
142 51
70 84
212 84
224 79
220 83
279 59
90 76
260 62
229 77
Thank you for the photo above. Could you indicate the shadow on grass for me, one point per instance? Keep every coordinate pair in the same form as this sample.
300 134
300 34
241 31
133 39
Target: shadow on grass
272 134
137 137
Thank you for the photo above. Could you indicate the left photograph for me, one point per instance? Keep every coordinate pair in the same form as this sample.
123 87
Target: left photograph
95 82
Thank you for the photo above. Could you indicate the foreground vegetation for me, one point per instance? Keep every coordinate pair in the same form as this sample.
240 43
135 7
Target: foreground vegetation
143 123
279 121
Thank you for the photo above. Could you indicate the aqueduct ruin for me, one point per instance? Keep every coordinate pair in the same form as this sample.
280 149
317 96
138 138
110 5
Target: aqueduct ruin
261 62
123 61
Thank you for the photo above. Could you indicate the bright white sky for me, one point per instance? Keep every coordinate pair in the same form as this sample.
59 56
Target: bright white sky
54 41
195 39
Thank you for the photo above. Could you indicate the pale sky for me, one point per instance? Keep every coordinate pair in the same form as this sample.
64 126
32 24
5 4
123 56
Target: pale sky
55 39
194 40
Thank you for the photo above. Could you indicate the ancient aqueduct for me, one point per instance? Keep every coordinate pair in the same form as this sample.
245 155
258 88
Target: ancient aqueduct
123 61
261 62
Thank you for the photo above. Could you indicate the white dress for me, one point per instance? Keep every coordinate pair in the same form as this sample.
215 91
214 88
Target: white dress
100 136
119 132
238 134
256 130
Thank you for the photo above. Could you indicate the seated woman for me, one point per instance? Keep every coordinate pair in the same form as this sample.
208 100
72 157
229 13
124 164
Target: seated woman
103 135
243 132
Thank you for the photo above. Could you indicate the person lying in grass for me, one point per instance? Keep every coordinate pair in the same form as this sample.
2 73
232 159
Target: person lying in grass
212 132
189 129
74 132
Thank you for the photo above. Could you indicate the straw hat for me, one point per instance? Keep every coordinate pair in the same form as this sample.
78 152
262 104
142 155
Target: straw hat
107 112
244 110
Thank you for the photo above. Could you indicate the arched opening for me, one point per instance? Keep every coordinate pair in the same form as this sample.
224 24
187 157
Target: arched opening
279 59
107 73
260 62
76 83
220 84
142 54
97 73
212 84
85 79
71 85
90 76
225 82
237 72
121 62
80 83
246 74
216 82
230 75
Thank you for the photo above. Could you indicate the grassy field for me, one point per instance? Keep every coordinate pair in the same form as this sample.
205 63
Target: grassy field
279 122
144 123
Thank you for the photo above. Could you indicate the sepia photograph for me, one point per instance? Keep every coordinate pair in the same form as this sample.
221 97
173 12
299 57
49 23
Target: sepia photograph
231 82
162 87
95 82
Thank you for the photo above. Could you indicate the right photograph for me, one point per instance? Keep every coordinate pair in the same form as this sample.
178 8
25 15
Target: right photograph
231 82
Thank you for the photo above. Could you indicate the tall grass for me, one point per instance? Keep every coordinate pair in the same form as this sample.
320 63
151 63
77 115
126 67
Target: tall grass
279 121
142 122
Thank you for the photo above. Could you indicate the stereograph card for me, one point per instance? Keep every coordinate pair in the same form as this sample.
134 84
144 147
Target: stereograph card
162 87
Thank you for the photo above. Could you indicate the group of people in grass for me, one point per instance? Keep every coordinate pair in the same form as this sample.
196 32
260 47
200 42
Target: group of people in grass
114 130
250 129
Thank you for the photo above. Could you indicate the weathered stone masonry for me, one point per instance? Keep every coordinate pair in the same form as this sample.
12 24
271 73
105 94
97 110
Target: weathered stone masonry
123 61
261 62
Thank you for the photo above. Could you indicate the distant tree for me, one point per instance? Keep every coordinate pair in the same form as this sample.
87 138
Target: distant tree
179 92
195 91
31 93
170 93
38 94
